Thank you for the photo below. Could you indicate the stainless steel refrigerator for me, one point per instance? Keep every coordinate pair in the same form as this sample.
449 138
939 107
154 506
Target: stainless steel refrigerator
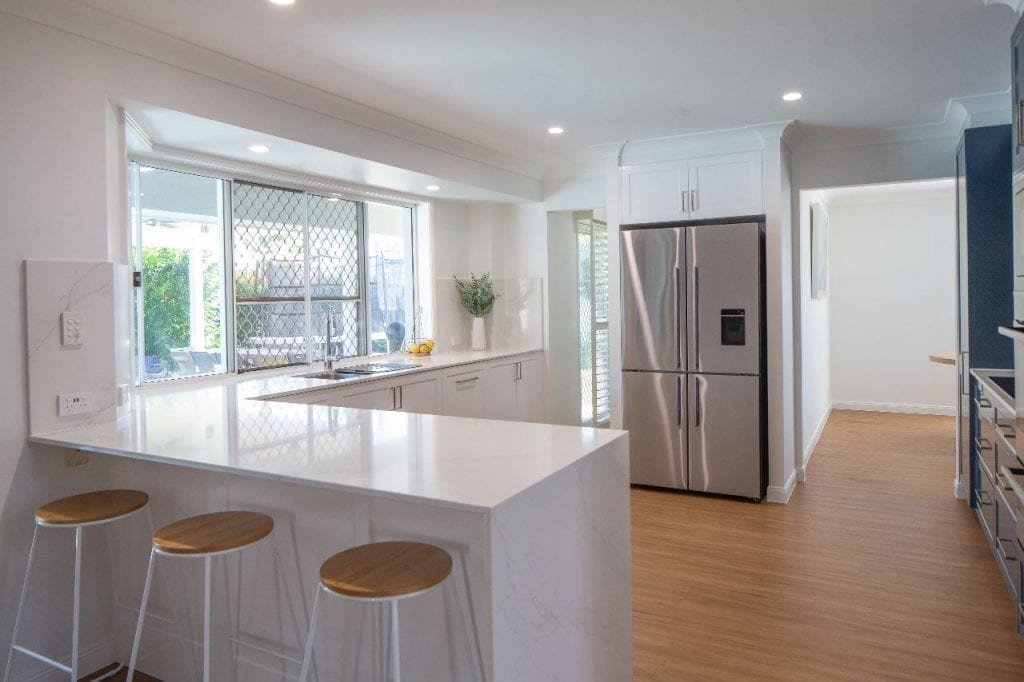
693 357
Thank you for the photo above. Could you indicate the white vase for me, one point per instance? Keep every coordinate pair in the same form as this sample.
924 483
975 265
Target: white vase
479 335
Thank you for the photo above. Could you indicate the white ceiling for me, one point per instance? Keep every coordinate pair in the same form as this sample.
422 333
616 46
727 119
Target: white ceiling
499 73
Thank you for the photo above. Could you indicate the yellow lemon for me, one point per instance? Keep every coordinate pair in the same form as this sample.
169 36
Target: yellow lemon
430 344
413 348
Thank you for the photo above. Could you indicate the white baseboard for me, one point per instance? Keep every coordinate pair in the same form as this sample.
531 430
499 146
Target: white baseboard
781 495
902 408
801 471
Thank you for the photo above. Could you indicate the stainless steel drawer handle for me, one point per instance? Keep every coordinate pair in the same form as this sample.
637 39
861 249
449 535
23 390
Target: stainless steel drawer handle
1006 431
984 494
466 381
984 402
983 443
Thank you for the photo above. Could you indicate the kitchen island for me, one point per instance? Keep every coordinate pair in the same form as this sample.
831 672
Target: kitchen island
536 517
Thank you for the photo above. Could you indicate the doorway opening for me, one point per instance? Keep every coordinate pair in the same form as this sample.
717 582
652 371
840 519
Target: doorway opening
878 303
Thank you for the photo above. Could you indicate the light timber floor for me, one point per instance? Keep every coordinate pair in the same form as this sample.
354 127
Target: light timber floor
872 572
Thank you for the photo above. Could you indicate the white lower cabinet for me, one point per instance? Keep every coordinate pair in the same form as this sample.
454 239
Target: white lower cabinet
365 397
420 395
512 389
509 388
464 394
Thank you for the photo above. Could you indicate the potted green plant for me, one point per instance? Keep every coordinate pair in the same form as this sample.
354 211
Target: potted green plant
477 296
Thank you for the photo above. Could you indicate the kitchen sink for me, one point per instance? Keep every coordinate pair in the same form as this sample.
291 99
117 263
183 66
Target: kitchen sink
364 370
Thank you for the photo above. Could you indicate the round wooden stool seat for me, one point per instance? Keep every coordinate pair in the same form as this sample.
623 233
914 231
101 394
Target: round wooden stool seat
212 533
386 569
101 505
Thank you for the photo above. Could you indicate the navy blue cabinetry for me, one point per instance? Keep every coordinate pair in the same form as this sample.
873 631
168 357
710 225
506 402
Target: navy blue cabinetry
985 273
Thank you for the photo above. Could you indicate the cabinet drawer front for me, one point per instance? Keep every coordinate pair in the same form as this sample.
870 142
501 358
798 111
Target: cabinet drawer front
987 512
463 395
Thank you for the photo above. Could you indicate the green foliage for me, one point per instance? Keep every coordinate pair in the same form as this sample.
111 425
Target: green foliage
476 294
165 300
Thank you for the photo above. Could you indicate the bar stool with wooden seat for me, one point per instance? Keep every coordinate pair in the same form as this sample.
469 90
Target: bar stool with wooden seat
78 511
201 537
383 572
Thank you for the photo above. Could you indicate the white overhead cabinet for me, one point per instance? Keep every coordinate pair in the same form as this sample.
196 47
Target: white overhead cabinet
692 189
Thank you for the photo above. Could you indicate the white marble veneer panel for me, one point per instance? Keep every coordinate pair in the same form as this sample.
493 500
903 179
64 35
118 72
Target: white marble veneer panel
560 570
311 524
53 287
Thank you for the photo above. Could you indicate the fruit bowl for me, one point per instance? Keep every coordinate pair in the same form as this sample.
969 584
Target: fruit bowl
420 347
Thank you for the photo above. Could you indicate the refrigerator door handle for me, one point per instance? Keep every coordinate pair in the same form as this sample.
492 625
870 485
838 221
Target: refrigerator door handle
696 315
696 402
676 287
679 401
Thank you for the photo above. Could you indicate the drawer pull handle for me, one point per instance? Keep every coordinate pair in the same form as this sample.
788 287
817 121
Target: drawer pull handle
1006 431
984 402
1002 552
983 443
466 381
984 494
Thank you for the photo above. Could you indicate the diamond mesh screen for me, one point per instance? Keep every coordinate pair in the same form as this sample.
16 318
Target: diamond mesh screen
284 292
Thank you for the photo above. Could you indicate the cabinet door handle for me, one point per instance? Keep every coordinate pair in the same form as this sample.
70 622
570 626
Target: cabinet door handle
519 371
399 392
684 201
982 443
694 200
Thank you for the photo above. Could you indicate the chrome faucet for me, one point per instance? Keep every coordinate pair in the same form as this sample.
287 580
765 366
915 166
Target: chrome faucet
329 357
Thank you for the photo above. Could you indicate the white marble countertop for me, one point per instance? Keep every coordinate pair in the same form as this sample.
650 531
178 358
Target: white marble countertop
448 461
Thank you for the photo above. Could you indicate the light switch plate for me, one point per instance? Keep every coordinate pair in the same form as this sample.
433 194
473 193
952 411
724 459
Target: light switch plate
72 328
69 404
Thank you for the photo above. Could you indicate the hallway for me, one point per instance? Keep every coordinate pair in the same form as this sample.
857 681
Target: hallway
873 571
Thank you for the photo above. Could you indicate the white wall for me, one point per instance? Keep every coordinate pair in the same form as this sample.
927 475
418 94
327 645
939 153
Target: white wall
563 347
815 344
892 293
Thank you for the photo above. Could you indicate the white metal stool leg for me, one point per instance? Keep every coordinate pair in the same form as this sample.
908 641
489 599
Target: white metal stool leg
21 604
207 561
308 656
396 662
142 618
76 604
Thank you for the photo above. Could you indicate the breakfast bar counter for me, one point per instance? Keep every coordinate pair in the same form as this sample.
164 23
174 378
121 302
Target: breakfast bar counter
536 517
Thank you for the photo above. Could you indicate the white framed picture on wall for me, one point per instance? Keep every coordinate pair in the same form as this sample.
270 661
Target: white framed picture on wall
819 251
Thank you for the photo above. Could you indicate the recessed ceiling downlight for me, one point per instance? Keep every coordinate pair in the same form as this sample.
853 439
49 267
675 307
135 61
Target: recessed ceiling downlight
555 130
282 2
793 96
433 188
259 148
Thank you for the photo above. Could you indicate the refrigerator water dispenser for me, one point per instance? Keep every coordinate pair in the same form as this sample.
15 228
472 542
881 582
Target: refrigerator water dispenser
734 327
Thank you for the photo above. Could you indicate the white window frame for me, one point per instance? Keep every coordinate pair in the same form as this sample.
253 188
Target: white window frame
227 172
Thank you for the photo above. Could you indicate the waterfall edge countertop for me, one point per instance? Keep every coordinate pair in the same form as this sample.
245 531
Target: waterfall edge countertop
219 425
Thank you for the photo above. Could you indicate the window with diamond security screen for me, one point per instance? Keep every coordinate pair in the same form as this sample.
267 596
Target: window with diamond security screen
296 261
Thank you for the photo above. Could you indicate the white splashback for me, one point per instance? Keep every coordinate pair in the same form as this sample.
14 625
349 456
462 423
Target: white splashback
53 287
517 320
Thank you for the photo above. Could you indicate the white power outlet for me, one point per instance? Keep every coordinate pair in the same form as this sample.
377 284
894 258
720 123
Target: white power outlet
69 404
72 328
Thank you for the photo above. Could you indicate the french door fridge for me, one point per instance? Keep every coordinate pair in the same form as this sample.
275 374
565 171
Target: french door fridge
693 340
